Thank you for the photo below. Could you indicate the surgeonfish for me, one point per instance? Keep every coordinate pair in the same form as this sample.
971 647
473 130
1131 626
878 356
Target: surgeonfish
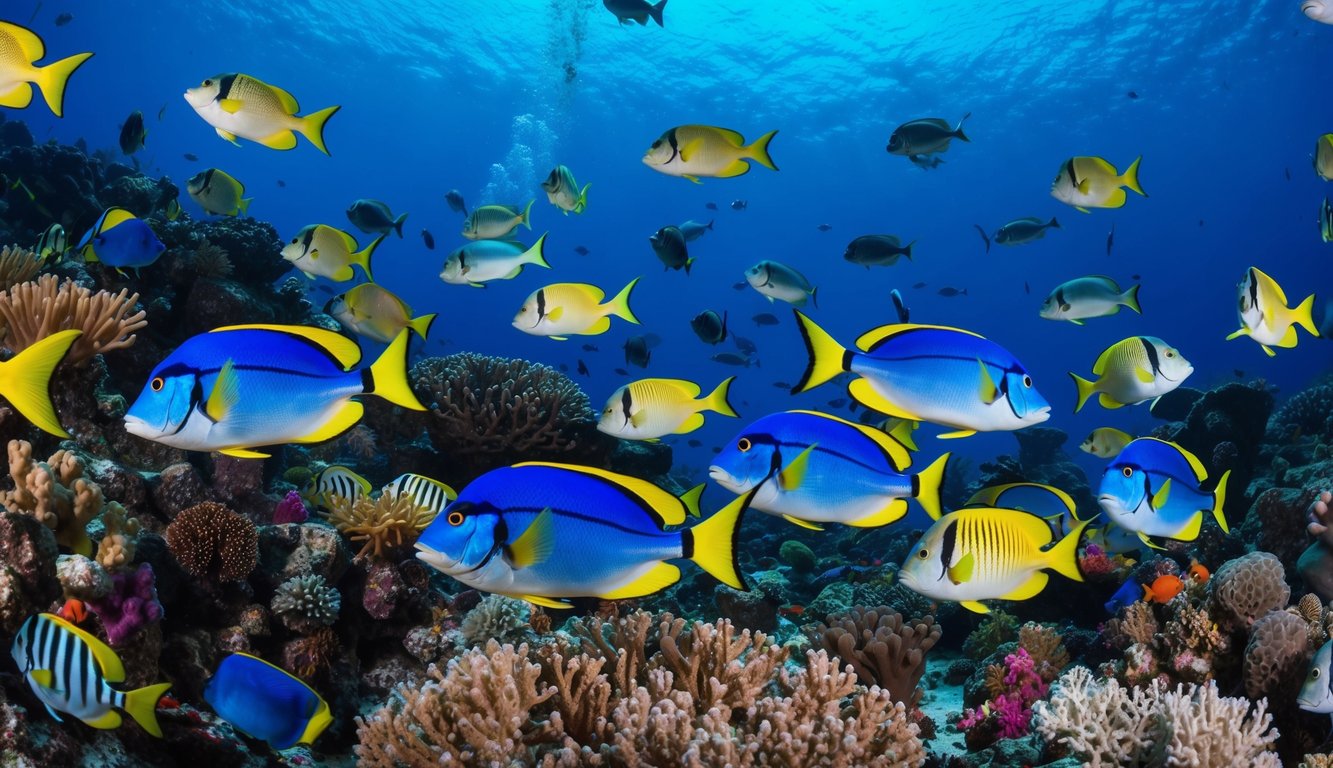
877 250
636 10
132 133
669 245
319 250
693 230
375 312
53 242
925 136
544 532
1127 595
980 553
266 702
425 491
775 280
1265 316
1323 157
1132 371
218 193
335 481
649 409
1153 488
481 261
563 192
20 49
562 310
932 373
1316 693
243 386
71 671
1105 442
120 240
1022 231
1087 297
496 222
25 380
695 151
1091 182
373 217
811 468
710 327
238 105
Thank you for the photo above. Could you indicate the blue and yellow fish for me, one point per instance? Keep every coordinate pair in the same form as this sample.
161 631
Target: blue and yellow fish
71 671
1152 488
811 468
266 702
544 532
121 241
929 373
243 386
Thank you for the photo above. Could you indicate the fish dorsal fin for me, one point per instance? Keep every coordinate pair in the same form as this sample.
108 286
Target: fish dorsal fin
114 217
348 241
987 388
665 508
1030 526
27 40
535 544
873 338
343 349
792 475
938 122
806 524
1162 495
1196 466
1103 165
107 660
1099 367
732 136
1108 280
288 101
225 392
1270 284
689 388
961 571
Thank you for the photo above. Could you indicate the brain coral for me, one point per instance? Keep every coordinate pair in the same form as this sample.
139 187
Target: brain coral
1277 655
212 542
1249 587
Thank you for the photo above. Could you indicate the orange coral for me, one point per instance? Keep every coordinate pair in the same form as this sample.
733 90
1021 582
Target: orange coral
17 266
385 523
30 312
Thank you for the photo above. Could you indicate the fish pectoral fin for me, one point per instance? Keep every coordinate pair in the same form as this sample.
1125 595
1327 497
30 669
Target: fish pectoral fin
230 106
694 179
1076 322
243 453
54 715
1081 209
987 389
1148 542
737 168
1160 497
1269 350
961 571
806 524
863 393
1029 588
974 606
558 338
891 513
1289 338
658 578
545 602
957 434
1238 333
225 394
555 313
343 420
691 423
689 148
1106 401
228 136
1143 374
109 720
638 419
42 677
792 475
536 544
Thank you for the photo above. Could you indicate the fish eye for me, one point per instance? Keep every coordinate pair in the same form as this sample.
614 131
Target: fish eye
207 83
455 518
1127 471
744 444
157 384
1314 673
923 554
1169 353
294 241
657 144
1027 381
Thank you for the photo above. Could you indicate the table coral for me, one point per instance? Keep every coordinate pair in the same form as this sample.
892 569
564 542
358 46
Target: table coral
29 312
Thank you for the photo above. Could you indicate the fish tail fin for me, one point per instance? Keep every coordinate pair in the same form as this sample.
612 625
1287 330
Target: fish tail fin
908 250
1131 298
814 297
620 303
656 12
244 205
828 358
1063 557
1303 315
527 215
958 132
1085 390
1220 498
926 486
718 401
362 257
25 380
710 224
1131 176
712 544
581 204
52 79
537 253
387 376
398 224
312 127
422 324
688 263
758 151
141 704
1054 224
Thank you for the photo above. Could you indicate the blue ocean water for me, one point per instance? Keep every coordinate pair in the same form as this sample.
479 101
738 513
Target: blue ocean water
486 99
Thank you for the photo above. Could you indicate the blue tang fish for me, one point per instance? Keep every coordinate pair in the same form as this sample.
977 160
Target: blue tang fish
266 702
811 468
541 532
1152 487
242 386
1129 593
120 240
929 373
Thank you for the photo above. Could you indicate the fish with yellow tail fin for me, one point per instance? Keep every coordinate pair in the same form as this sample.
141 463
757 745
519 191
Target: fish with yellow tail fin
71 671
1154 488
481 261
1091 182
811 468
1265 316
25 380
375 312
267 702
218 193
425 491
241 106
20 50
335 481
902 430
980 553
243 386
572 309
494 222
695 151
1132 371
564 192
1105 442
929 373
120 240
549 532
649 409
1323 157
319 250
53 243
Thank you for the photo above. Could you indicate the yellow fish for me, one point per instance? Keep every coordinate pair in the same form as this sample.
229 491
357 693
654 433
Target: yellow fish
1323 157
692 151
240 105
319 250
1133 370
1265 316
373 311
648 409
19 51
564 309
1105 442
218 193
1091 182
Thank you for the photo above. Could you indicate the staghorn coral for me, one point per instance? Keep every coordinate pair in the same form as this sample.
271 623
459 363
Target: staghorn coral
881 648
212 542
496 617
305 603
210 261
1247 588
714 664
55 492
385 524
120 538
29 312
17 265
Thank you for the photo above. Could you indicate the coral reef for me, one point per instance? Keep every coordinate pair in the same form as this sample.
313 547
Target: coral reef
305 603
119 538
17 265
129 606
496 617
1247 588
29 312
56 493
214 543
385 524
28 582
881 648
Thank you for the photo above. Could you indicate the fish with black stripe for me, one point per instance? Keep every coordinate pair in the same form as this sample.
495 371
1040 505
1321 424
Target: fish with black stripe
335 481
1132 371
425 491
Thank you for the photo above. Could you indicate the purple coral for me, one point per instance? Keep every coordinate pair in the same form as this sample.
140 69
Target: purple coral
130 606
1009 714
290 510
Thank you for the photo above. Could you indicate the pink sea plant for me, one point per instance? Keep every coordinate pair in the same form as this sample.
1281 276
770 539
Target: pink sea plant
1095 561
290 510
1010 713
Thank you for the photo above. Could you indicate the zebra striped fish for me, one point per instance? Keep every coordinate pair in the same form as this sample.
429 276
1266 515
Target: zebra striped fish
335 481
70 671
425 491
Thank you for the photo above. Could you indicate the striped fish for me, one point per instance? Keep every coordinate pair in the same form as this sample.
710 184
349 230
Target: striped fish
70 671
335 481
425 491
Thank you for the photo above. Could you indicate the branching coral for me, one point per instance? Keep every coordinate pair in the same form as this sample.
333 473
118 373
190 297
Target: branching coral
881 647
30 312
17 265
305 603
55 492
210 541
117 545
386 523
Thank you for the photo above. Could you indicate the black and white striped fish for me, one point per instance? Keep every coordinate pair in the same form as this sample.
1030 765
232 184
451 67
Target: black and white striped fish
70 671
425 491
335 481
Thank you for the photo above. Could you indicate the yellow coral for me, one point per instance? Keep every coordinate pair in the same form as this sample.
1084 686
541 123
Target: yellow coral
29 312
387 522
55 492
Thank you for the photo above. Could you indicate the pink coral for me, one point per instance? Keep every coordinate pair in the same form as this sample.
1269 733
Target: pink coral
1009 714
1096 562
290 510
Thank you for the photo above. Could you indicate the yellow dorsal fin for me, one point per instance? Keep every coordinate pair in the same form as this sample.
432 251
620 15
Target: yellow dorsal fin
107 660
28 41
343 349
536 544
688 388
732 137
115 217
225 394
1099 367
806 524
668 509
793 474
288 101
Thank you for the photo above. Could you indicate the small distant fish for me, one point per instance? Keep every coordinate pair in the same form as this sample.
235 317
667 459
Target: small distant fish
563 191
583 368
717 449
191 157
1239 373
709 327
739 286
1110 239
926 162
649 409
495 222
132 133
218 193
64 19
877 250
582 251
333 481
589 348
824 227
727 358
1198 573
636 10
266 702
1326 221
765 318
282 183
1323 157
739 205
1132 371
1026 288
161 113
454 199
173 209
950 291
1026 230
669 245
918 285
372 311
74 611
694 151
428 239
1105 442
693 230
694 443
1136 277
775 280
1088 297
374 218
984 236
1091 182
1287 171
1133 94
1265 316
711 206
561 310
782 385
621 371
900 306
53 242
637 351
925 136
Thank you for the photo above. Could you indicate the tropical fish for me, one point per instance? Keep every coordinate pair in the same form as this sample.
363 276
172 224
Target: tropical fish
425 491
1152 488
669 245
319 250
1110 239
374 218
746 346
20 49
1105 442
1091 182
454 199
1133 370
1127 595
727 358
238 105
637 351
71 671
900 306
65 18
581 250
235 388
334 481
694 151
428 239
926 136
1326 221
583 369
74 611
929 373
121 241
375 312
877 250
484 260
1264 315
496 222
765 318
1049 503
543 532
1323 157
173 209
709 327
218 193
740 205
824 227
565 309
979 553
711 206
1021 231
636 10
53 242
266 702
1163 589
1316 694
811 468
132 133
949 292
779 281
1086 297
649 409
693 230
563 192
1198 573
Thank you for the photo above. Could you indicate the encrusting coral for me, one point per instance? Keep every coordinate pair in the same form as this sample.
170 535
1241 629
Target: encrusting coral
120 538
55 492
212 542
1247 588
386 523
29 312
881 648
305 603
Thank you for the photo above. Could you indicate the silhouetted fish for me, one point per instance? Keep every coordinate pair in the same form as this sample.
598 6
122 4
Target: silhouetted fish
739 286
1133 94
583 369
1288 172
1026 288
918 285
711 206
1239 373
589 348
622 371
428 239
765 318
1110 239
191 157
824 227
1136 277
950 291
739 205
455 200
580 250
782 385
66 18
282 183
695 443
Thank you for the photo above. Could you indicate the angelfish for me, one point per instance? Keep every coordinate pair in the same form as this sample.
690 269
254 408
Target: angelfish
1265 316
1132 371
649 409
563 192
238 105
